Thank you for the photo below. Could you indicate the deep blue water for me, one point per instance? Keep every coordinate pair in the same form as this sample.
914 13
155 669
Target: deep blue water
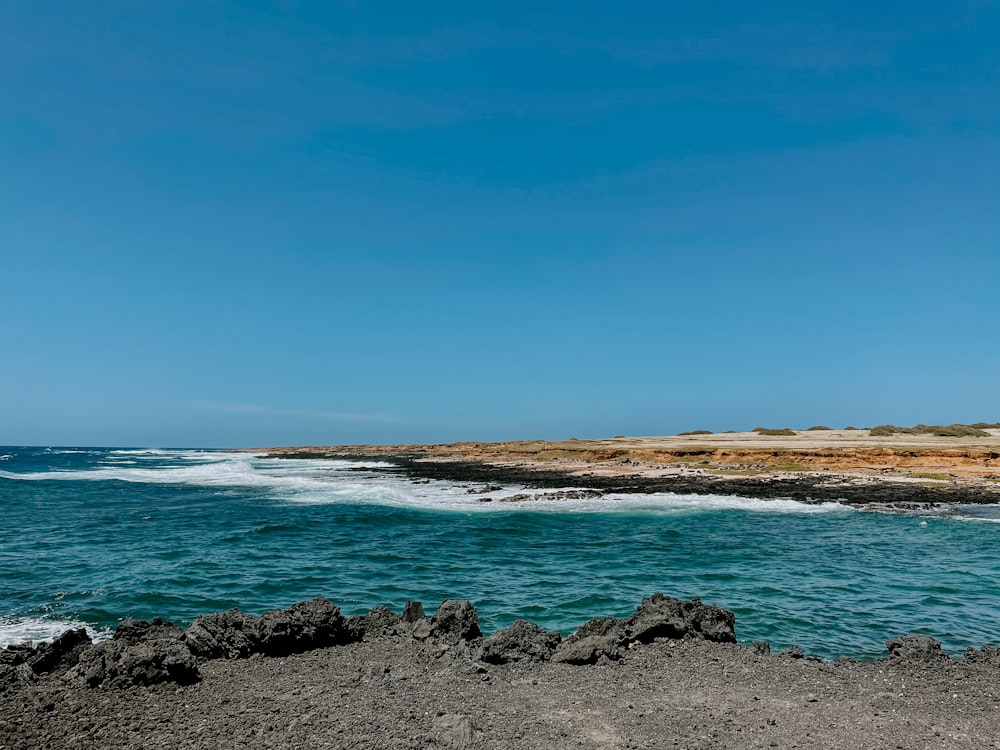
96 535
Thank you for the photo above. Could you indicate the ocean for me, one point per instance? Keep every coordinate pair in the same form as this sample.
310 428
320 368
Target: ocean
91 536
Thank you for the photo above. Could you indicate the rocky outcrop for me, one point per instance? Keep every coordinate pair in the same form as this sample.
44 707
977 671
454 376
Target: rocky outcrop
522 641
456 620
234 634
661 616
915 647
146 654
658 616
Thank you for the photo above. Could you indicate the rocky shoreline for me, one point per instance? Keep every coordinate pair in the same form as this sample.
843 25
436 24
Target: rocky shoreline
858 491
671 675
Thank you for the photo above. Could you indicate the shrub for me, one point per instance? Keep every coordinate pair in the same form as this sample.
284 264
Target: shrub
817 427
695 432
784 431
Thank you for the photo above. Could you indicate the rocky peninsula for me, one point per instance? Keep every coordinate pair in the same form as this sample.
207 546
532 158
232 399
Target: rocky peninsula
671 675
872 468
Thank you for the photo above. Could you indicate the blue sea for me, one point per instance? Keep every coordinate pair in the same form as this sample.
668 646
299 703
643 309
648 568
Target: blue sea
90 536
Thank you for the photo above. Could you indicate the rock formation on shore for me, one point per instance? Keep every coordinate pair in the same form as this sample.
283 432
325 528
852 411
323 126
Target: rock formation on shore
670 675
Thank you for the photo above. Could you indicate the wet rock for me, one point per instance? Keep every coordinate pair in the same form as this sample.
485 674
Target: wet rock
456 620
522 641
223 635
661 616
302 627
915 647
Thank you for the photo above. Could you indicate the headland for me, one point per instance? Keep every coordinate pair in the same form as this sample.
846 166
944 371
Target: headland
863 467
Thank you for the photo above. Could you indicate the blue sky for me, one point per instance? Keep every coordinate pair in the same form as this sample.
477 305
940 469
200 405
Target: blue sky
246 224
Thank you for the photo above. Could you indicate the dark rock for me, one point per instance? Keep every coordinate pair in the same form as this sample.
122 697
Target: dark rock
302 627
413 611
223 635
986 655
354 626
381 622
761 648
915 647
132 632
456 620
661 616
522 641
58 656
586 650
792 652
120 664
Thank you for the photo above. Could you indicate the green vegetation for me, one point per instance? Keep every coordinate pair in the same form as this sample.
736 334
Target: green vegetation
816 427
695 432
850 428
931 475
952 430
783 432
986 425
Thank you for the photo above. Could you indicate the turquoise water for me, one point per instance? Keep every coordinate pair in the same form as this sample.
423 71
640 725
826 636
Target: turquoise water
96 535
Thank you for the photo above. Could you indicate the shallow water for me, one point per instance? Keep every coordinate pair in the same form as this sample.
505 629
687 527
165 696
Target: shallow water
96 535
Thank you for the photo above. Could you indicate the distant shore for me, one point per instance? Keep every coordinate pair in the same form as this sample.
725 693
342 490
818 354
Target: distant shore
851 466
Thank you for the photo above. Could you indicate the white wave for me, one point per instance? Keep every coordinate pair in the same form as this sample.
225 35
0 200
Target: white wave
441 495
212 470
15 630
5 457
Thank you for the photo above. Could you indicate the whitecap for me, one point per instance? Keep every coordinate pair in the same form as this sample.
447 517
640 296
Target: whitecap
16 630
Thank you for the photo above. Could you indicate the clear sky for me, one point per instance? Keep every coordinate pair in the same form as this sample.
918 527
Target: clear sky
250 223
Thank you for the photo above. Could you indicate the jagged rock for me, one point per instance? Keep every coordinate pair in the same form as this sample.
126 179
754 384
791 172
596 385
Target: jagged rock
354 626
381 622
522 641
413 612
592 640
120 664
58 656
302 627
223 635
986 654
456 620
915 647
586 650
131 632
661 616
792 652
760 648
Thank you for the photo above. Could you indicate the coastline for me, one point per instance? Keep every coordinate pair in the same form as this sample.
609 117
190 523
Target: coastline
666 677
849 466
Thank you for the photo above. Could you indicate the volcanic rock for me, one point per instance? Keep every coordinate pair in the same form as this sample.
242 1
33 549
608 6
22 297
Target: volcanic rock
522 641
915 647
456 620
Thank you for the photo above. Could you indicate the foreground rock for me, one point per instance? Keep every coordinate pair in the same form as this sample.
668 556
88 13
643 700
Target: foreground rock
658 616
396 691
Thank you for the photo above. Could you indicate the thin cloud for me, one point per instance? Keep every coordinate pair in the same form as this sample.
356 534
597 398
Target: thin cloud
273 411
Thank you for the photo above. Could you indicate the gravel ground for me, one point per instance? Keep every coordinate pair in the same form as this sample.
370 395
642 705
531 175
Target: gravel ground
396 692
